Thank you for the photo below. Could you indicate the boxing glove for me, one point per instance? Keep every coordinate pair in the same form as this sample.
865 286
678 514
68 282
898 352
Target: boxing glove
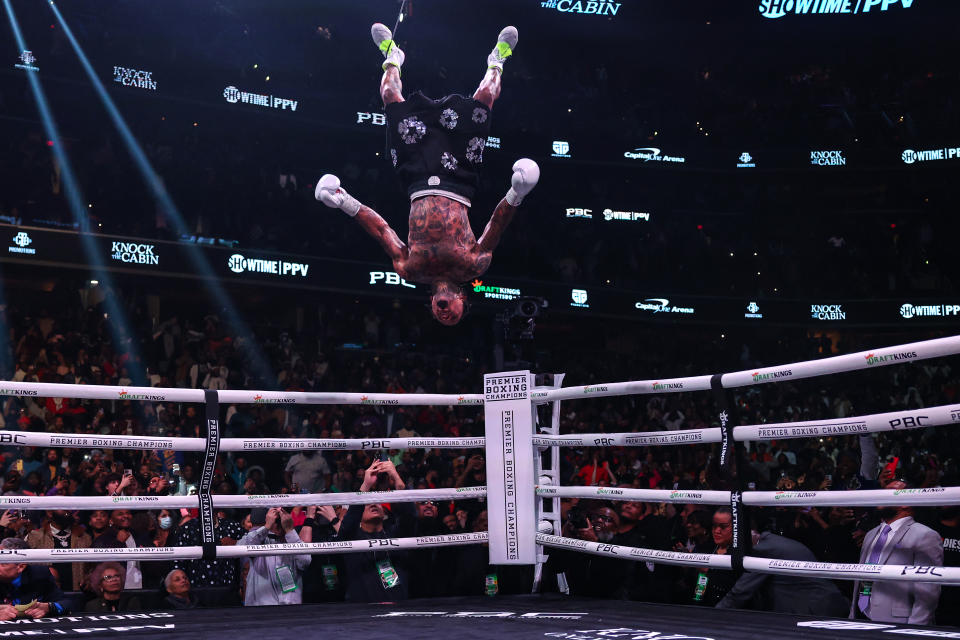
526 173
330 193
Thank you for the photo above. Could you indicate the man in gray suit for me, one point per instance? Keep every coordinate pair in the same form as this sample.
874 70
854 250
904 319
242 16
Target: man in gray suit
784 594
899 539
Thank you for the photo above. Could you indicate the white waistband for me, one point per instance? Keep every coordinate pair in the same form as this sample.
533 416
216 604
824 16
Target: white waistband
439 192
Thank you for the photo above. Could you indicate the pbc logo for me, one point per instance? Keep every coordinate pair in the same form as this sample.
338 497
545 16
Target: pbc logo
385 542
378 119
909 422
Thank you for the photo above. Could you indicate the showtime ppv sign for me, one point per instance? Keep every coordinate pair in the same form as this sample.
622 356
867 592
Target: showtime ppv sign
781 8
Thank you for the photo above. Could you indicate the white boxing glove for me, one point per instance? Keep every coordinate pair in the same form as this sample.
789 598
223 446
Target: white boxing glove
330 193
526 173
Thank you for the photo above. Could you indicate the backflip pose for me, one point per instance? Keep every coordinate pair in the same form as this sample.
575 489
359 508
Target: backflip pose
436 146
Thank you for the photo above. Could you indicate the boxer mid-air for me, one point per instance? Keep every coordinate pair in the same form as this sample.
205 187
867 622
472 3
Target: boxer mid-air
436 146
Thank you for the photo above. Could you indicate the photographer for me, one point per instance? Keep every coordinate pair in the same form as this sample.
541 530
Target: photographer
382 574
273 580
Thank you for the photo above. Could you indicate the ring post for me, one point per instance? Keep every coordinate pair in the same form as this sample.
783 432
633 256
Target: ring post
207 526
547 509
508 418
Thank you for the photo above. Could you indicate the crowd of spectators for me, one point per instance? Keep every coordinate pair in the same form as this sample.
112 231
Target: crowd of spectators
75 345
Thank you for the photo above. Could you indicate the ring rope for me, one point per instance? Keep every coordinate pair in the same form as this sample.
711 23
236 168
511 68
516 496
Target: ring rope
829 570
855 425
679 558
631 439
167 394
810 368
33 503
93 441
636 495
931 496
123 554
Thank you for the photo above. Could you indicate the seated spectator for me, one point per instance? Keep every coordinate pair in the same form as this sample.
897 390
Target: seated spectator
712 585
698 528
120 534
60 530
107 579
273 580
216 573
30 585
380 575
179 594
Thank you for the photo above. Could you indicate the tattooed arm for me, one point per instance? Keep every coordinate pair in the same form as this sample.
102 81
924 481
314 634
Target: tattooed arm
378 228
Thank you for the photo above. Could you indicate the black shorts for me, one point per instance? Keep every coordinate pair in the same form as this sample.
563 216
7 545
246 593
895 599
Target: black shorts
436 146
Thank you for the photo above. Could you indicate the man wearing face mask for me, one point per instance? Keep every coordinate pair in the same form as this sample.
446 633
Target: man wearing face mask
273 580
61 531
898 540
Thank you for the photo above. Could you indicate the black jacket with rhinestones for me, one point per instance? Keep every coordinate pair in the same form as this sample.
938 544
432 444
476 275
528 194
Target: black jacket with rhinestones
437 145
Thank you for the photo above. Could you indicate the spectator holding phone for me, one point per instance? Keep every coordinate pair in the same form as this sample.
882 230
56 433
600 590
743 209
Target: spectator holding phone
273 580
383 574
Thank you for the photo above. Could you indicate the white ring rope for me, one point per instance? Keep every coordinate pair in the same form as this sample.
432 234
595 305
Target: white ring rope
637 495
631 439
874 423
836 364
860 498
833 570
679 558
92 441
349 444
163 394
829 570
29 503
123 554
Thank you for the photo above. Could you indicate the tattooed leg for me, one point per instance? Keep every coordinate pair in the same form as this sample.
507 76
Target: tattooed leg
489 89
390 86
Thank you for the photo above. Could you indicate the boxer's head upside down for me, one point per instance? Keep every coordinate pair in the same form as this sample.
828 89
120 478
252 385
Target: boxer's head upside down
448 303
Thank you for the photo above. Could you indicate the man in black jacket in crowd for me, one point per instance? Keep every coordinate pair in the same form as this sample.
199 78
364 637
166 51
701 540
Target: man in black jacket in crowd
781 593
382 574
22 584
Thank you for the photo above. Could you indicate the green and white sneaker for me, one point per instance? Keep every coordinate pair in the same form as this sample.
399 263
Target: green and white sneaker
383 38
506 43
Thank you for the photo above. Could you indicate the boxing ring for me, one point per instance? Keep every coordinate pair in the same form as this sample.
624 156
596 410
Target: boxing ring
523 495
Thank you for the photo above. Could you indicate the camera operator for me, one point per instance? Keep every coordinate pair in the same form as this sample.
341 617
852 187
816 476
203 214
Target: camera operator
384 573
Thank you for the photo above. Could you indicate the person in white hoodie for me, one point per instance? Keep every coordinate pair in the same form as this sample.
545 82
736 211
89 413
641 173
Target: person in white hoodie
273 579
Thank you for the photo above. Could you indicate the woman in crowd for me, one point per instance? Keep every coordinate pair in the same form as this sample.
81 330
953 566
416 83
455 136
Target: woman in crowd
107 581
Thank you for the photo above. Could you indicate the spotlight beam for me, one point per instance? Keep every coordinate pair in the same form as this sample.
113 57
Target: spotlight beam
162 196
119 327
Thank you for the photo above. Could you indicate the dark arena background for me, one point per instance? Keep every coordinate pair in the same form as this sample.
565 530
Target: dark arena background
725 186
